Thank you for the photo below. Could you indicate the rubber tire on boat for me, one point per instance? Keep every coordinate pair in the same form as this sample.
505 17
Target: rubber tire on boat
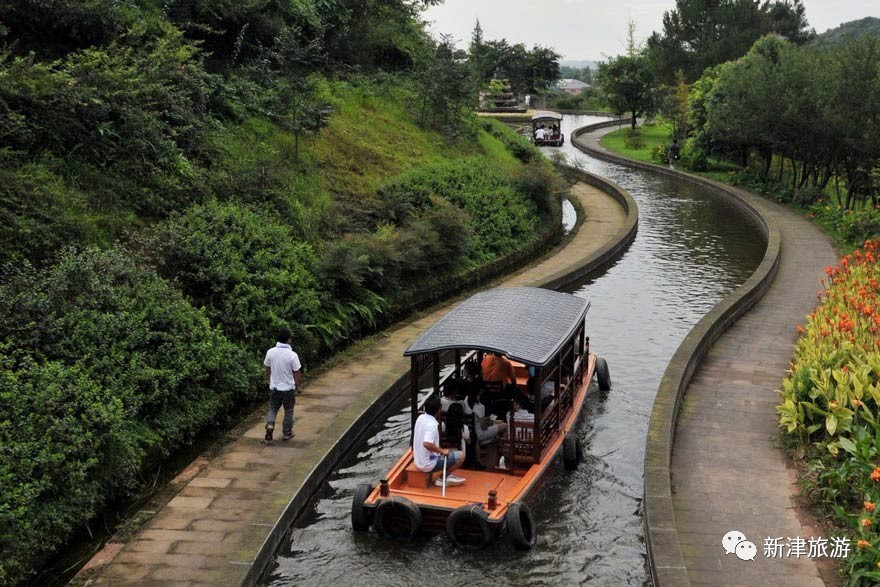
602 374
387 506
361 516
472 513
521 526
571 451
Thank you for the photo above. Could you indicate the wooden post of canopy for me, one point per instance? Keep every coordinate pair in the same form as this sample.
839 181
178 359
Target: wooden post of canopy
536 431
413 392
457 363
556 381
435 358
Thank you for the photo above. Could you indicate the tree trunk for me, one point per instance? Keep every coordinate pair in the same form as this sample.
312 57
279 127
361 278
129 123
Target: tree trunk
634 120
768 160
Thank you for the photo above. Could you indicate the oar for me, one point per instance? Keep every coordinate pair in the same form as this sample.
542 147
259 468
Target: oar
444 477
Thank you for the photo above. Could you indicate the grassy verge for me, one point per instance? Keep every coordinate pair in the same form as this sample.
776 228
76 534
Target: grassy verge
848 229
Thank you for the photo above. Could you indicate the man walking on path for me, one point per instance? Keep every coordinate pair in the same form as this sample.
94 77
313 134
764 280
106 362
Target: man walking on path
673 153
283 376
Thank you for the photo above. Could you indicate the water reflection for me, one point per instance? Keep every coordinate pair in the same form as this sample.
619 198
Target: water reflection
691 250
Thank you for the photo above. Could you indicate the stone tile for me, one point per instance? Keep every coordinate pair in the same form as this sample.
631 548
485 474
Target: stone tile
174 535
155 546
190 502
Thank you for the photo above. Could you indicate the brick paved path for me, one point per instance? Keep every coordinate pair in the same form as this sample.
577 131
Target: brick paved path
212 529
727 470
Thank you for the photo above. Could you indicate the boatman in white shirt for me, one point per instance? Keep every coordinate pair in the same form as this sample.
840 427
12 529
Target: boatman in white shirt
284 377
428 455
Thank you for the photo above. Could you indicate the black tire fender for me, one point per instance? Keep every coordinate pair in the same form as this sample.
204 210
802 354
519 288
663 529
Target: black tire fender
390 506
473 514
521 526
361 516
571 451
603 376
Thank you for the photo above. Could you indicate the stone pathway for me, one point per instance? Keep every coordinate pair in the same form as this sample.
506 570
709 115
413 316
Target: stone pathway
211 531
727 470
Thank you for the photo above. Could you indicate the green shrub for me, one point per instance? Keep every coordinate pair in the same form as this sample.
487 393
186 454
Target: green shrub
634 139
693 156
857 226
247 270
500 218
103 365
520 146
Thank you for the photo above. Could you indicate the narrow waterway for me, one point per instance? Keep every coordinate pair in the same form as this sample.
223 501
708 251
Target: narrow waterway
691 250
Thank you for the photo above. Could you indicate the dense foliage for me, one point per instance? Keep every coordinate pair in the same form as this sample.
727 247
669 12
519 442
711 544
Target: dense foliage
102 364
529 71
817 110
698 33
627 82
179 179
831 401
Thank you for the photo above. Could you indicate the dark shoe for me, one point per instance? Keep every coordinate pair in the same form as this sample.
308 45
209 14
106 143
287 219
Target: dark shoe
287 436
269 430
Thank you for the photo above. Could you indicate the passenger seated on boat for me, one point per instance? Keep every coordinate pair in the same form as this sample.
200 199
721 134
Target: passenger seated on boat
548 392
458 433
519 416
498 368
540 134
486 431
520 413
451 394
428 455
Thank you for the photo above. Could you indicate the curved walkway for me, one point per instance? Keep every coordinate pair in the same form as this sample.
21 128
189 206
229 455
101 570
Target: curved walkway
727 472
235 507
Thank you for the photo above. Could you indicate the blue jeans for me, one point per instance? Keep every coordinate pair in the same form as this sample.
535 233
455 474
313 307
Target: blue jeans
276 400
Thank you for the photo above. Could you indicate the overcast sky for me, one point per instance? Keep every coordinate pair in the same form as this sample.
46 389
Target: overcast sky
589 29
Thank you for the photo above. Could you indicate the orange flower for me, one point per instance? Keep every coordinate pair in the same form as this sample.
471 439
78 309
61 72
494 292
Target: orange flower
869 506
866 522
864 544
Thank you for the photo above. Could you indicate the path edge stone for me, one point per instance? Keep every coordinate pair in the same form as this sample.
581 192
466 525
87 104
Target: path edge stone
600 259
665 556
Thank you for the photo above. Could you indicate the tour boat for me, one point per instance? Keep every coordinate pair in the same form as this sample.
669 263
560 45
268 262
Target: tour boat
548 120
543 334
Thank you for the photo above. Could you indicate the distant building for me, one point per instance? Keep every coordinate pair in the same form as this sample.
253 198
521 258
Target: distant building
572 87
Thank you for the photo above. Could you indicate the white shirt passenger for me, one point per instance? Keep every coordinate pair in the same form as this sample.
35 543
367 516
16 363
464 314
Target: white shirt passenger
427 429
282 363
539 134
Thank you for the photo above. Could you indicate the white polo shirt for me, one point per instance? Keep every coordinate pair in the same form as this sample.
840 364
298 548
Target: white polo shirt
427 429
282 363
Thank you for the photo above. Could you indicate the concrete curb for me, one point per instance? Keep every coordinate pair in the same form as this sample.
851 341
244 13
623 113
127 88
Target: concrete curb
353 433
665 555
613 249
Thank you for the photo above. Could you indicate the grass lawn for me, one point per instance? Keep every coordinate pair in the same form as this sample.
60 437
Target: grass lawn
659 134
653 136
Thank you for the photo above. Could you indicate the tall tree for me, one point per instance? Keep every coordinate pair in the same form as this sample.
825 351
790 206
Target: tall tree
628 83
701 33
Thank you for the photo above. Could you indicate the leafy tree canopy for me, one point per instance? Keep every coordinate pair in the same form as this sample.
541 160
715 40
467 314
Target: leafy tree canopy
701 33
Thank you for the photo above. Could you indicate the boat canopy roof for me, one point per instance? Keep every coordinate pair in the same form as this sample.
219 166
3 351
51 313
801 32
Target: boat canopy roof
528 324
546 115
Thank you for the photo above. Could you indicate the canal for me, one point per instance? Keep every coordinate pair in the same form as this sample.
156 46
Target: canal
692 249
